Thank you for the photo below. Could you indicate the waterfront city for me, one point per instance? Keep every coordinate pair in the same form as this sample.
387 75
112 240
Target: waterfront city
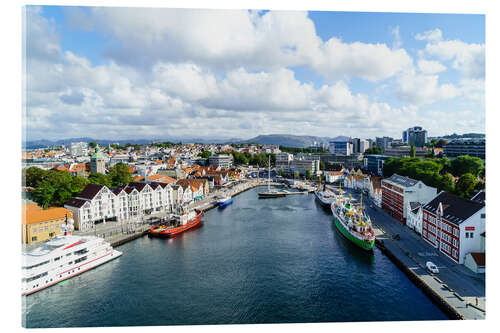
240 190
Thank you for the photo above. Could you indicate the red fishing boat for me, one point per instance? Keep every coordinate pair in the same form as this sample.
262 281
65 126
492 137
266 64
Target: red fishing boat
177 224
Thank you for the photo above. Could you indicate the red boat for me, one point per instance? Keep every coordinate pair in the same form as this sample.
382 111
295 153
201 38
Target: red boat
177 225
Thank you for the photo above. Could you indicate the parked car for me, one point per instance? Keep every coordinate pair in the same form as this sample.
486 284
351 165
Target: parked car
431 267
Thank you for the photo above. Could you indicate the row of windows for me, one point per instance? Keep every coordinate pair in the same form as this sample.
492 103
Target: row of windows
446 247
34 277
46 228
469 235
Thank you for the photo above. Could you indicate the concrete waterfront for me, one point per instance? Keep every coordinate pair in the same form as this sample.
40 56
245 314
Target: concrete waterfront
454 289
455 285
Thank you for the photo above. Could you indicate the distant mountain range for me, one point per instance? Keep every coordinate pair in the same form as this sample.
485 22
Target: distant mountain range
299 141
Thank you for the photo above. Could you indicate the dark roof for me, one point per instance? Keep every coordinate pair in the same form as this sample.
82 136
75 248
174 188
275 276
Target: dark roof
480 197
117 190
139 186
455 209
402 181
74 202
163 185
90 191
414 206
154 185
479 258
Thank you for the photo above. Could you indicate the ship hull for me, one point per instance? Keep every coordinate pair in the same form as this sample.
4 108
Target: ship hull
172 232
271 195
365 245
225 203
323 203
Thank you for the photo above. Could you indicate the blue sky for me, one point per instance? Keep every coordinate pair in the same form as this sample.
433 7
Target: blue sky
140 73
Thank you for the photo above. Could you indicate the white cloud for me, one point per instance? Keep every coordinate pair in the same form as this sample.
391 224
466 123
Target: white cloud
430 35
226 40
397 38
430 66
467 58
419 89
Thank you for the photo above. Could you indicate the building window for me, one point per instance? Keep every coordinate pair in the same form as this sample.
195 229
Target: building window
483 216
46 228
471 235
466 235
33 239
34 230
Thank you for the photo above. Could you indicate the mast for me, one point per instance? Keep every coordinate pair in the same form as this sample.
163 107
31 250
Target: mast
269 175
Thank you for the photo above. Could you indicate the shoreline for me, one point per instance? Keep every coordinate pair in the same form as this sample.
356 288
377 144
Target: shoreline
404 263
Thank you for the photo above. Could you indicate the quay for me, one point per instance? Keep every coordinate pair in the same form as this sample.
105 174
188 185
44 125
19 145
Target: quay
454 289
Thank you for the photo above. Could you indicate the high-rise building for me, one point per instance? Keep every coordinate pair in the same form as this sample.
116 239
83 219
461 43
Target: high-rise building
473 147
416 135
340 147
384 142
78 148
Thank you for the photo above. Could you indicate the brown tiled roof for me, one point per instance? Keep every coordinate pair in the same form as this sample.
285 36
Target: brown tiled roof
35 214
479 258
90 191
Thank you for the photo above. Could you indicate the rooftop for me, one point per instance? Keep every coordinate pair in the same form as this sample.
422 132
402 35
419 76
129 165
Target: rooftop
455 209
401 180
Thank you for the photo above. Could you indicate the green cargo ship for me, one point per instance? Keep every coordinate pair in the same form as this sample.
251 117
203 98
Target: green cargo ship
353 222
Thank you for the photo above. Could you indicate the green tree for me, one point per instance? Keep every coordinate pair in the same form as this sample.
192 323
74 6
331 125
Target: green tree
308 174
373 151
78 183
447 184
33 176
466 164
99 179
466 185
296 175
119 174
412 150
322 165
92 144
43 194
281 172
205 154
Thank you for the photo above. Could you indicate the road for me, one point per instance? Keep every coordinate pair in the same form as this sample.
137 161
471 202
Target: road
459 278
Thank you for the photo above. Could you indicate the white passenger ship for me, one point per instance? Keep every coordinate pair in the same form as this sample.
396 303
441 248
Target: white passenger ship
63 257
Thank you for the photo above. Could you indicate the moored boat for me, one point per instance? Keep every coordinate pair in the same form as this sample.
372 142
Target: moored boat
353 222
326 198
63 257
271 193
178 224
224 201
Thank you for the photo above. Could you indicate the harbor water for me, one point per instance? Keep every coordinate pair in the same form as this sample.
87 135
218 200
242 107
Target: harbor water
255 261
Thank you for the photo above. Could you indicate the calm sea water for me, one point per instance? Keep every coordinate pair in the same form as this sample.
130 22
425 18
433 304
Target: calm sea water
256 261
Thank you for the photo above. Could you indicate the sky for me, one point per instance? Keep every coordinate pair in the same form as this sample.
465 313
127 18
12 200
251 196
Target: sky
159 73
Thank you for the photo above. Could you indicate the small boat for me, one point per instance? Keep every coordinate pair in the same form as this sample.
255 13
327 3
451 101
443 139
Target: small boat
224 201
176 225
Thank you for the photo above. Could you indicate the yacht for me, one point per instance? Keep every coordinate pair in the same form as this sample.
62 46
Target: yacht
62 258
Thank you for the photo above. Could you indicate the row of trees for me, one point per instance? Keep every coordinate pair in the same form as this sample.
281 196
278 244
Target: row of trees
55 188
295 150
440 173
260 159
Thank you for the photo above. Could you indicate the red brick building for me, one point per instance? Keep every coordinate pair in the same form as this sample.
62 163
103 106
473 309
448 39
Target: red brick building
398 191
453 225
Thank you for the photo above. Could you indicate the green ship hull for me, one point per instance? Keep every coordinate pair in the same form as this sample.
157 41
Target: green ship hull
365 245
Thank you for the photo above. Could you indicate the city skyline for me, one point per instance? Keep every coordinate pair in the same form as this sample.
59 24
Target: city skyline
100 73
